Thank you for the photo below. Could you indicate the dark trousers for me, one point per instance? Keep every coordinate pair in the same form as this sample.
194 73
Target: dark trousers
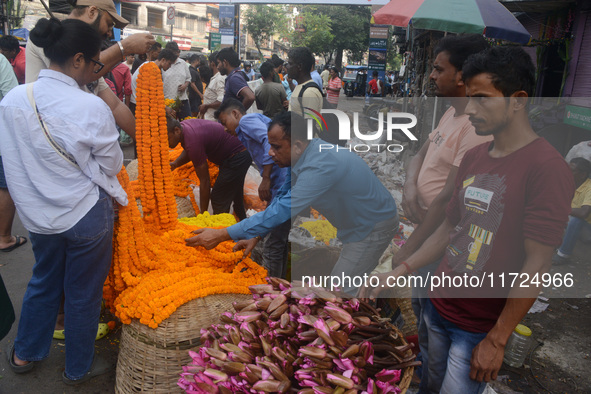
185 109
229 186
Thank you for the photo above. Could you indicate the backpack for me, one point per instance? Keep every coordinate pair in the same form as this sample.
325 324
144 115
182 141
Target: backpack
331 134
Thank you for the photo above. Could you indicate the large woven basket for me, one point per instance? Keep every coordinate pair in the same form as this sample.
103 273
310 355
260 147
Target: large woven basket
396 337
150 360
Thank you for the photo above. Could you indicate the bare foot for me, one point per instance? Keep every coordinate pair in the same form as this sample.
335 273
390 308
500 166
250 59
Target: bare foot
59 324
18 361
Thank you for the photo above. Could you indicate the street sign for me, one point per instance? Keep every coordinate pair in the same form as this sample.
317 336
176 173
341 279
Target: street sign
215 40
578 116
170 12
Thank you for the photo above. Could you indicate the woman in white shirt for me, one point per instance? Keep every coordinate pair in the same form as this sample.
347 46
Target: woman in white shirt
61 158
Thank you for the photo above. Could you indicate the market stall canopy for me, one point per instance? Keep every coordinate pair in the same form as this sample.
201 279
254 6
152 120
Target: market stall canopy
488 17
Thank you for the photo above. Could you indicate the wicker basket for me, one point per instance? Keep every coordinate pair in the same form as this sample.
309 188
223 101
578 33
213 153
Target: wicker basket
396 337
150 360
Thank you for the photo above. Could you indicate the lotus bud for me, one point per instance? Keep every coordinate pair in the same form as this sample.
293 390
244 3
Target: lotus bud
280 299
218 376
268 386
233 368
311 351
229 347
234 335
340 380
340 338
247 316
367 351
337 313
263 303
351 351
284 320
212 352
260 289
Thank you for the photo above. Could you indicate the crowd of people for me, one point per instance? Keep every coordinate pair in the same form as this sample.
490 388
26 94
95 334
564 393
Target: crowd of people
61 132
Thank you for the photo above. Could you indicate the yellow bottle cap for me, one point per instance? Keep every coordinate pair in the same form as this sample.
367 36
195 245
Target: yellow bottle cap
523 330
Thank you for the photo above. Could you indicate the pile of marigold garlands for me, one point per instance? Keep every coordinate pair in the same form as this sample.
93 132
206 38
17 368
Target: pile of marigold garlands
153 272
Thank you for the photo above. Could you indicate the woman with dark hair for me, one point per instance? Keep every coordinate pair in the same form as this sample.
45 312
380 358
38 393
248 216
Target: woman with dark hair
333 89
61 156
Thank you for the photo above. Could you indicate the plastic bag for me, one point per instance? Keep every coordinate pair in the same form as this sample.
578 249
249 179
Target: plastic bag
198 200
582 149
252 181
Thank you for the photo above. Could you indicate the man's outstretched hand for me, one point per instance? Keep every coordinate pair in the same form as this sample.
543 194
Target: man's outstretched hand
246 244
208 238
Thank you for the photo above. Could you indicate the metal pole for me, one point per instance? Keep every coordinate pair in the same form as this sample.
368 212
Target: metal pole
171 26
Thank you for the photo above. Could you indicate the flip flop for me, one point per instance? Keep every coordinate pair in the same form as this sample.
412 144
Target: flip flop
20 241
15 367
102 331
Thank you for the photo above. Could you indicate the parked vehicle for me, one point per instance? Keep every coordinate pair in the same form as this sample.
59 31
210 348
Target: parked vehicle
354 80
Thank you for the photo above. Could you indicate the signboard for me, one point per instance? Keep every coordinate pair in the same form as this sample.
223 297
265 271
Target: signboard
227 20
378 49
170 12
578 116
215 40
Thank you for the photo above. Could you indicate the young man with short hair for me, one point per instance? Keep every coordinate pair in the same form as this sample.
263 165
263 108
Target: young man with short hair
15 54
214 92
251 129
431 174
176 80
509 206
270 96
307 93
165 59
228 64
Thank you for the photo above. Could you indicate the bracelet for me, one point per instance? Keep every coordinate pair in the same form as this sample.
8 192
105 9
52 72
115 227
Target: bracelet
409 271
122 51
258 237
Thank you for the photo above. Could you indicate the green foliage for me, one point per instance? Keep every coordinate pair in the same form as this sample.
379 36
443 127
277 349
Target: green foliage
331 30
262 22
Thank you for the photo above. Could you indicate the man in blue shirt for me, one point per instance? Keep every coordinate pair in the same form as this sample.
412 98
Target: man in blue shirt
337 183
251 129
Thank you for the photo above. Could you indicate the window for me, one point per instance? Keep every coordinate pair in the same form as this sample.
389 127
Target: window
129 12
178 22
155 18
201 26
190 24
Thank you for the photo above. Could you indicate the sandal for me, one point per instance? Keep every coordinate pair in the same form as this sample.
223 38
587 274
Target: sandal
18 241
18 368
102 331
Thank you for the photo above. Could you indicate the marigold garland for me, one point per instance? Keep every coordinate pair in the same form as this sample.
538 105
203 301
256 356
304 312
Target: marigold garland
158 203
153 272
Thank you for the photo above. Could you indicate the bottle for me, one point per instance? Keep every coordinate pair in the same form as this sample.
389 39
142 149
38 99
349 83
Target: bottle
517 346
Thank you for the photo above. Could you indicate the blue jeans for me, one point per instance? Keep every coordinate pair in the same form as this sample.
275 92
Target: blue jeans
75 263
450 352
276 249
572 233
420 295
358 258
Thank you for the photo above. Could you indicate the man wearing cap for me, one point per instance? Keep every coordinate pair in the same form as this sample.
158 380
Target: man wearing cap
102 15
